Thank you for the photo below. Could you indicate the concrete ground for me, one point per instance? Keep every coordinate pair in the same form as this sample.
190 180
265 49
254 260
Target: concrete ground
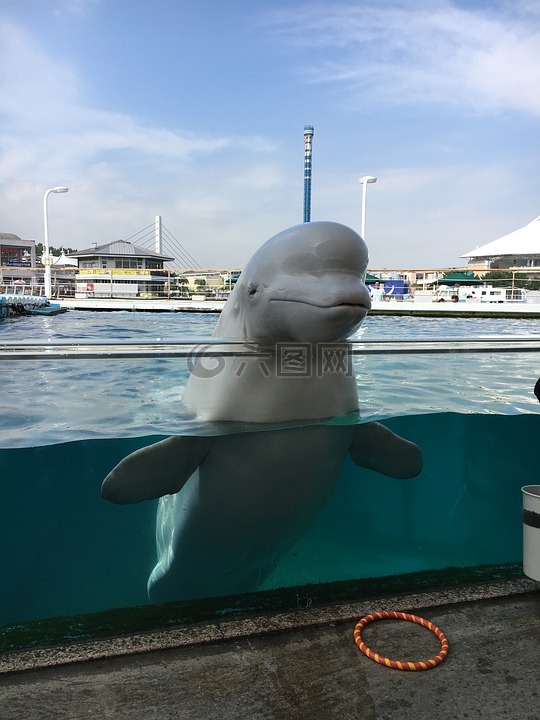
310 673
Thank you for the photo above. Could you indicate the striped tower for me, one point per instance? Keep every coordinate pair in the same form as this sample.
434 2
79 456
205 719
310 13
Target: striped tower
157 233
308 140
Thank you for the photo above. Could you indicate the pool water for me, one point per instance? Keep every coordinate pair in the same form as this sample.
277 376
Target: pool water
66 551
68 423
49 401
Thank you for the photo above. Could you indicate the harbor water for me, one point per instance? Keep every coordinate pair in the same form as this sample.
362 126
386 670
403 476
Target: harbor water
67 422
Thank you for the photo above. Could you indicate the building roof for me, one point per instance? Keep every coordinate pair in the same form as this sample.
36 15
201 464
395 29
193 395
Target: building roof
525 241
9 236
119 247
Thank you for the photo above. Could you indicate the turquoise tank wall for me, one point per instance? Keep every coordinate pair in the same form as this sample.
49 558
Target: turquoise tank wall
68 552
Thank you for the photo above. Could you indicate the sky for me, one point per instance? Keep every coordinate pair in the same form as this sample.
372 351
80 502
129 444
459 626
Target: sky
194 110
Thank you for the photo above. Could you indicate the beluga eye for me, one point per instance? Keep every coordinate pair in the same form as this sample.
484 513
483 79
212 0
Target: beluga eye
252 289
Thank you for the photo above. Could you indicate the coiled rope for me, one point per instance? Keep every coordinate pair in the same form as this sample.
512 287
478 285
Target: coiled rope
401 664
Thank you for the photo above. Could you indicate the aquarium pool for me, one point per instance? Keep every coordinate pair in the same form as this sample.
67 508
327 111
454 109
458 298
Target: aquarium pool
66 423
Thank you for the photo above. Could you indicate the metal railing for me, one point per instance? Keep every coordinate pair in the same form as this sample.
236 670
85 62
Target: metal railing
36 289
216 347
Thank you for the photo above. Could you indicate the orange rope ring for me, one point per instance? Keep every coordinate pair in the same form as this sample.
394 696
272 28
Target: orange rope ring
401 664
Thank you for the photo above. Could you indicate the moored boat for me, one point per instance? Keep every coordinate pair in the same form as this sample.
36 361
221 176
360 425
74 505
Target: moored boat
14 304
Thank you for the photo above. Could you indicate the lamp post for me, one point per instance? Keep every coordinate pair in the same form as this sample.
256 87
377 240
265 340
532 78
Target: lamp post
46 256
364 182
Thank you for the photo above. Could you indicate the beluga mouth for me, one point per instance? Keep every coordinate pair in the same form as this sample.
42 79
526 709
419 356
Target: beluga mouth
349 304
322 306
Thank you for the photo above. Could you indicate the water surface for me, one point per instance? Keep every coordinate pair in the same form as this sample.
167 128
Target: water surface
49 401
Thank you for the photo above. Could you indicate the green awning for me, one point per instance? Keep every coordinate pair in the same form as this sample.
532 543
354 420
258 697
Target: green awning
459 278
371 279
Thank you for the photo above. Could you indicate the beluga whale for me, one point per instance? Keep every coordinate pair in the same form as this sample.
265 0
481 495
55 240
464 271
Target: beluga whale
231 504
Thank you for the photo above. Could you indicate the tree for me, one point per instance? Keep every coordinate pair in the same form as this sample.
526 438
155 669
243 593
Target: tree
506 277
182 282
54 251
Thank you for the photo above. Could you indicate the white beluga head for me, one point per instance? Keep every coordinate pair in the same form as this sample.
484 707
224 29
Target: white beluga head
305 284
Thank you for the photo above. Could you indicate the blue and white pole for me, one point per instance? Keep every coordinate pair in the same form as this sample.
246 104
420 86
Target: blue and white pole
308 141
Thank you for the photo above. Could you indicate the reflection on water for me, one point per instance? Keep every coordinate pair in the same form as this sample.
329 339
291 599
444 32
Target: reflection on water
50 401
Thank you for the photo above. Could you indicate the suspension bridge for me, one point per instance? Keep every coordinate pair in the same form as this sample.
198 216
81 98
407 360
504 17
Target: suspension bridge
158 238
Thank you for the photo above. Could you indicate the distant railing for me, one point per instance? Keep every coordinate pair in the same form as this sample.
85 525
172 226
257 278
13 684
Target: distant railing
35 289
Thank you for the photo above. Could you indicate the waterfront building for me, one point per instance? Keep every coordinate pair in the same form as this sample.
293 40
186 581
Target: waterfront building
519 251
415 278
120 269
216 283
17 260
63 275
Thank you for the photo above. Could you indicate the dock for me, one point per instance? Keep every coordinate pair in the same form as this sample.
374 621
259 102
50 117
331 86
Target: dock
141 305
37 305
386 307
459 309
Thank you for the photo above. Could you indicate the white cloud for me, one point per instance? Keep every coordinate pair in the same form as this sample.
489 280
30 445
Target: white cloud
74 8
41 99
425 216
401 53
120 172
34 89
222 196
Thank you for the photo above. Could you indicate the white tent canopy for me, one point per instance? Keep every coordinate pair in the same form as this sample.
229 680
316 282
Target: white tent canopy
64 261
525 241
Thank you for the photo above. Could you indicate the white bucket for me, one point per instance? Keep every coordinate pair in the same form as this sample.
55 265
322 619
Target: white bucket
531 531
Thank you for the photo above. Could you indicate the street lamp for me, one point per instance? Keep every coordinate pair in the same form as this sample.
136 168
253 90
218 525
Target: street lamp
46 257
364 182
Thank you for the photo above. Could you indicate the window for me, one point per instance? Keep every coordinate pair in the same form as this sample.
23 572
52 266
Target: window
127 263
15 256
153 263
